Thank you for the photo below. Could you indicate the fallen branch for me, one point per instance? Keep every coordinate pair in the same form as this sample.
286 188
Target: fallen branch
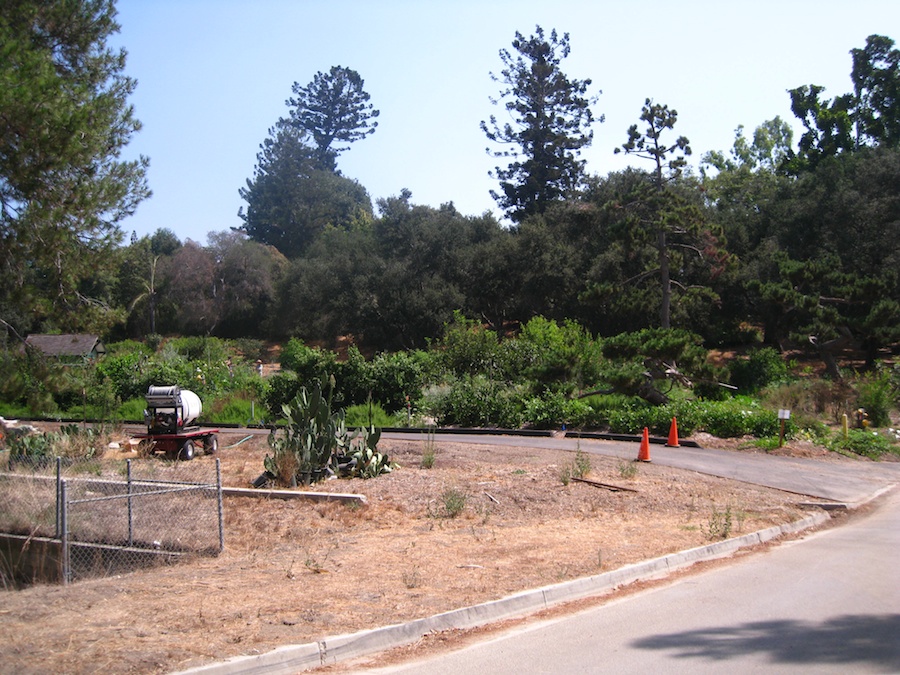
492 497
605 486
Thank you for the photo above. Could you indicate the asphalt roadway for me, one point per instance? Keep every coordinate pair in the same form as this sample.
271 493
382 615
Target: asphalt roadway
845 482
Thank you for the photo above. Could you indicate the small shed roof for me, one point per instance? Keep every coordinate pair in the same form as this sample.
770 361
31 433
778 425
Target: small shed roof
72 344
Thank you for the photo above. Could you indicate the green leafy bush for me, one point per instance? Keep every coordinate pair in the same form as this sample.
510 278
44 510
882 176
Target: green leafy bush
13 410
727 419
875 397
553 410
689 413
154 341
182 361
560 357
311 364
282 388
366 415
740 417
232 409
128 347
201 349
467 348
353 379
123 372
761 368
398 375
250 349
475 402
863 442
132 410
632 420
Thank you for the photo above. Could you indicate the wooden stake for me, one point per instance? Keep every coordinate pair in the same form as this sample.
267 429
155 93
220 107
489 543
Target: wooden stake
605 486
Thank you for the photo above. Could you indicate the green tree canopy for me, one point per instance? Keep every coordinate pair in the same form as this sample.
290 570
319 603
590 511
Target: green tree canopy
551 120
837 230
876 92
247 274
868 116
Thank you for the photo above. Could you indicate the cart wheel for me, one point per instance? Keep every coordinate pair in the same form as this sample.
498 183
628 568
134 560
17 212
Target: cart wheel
187 451
210 445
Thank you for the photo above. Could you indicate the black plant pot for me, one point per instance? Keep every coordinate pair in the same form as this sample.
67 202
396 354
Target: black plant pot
263 479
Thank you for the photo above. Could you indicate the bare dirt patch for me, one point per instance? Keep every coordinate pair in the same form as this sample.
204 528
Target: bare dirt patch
296 571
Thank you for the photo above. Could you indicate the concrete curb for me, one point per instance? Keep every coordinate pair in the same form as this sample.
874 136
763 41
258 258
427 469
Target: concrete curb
292 658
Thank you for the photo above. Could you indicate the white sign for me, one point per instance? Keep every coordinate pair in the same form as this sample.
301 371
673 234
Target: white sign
784 414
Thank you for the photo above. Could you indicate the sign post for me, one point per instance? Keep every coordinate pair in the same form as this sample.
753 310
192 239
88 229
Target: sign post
783 415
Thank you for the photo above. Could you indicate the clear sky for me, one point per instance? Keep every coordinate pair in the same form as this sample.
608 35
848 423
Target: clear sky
214 75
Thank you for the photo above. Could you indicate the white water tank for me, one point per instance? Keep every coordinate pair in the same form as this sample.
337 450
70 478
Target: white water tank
176 402
191 406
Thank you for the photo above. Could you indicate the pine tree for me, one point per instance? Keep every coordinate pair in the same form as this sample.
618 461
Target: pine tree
551 120
64 120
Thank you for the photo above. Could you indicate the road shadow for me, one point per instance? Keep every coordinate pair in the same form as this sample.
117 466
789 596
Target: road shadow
847 640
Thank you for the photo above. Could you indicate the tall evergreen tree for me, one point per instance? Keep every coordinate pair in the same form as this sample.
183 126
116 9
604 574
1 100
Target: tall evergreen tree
64 121
333 108
551 120
663 214
291 199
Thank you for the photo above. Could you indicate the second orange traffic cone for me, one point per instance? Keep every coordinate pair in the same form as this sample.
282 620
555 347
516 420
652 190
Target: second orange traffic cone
673 435
644 453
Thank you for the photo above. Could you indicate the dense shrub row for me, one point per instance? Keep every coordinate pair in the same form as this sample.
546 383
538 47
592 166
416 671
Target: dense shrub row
471 377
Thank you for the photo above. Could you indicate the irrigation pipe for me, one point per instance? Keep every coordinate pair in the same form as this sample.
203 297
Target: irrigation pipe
234 445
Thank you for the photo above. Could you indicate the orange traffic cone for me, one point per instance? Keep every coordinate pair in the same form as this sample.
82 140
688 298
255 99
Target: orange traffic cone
644 453
673 435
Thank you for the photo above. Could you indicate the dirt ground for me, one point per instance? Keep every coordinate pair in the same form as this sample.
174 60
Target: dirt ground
296 571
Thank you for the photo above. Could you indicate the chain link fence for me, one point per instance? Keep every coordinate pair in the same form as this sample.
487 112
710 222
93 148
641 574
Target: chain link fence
76 521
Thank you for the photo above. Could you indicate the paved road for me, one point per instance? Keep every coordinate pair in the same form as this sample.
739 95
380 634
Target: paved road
829 603
850 482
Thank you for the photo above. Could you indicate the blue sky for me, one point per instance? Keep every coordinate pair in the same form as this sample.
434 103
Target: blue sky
214 75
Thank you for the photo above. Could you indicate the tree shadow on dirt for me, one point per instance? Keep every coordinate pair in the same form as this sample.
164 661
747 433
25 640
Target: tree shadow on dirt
841 640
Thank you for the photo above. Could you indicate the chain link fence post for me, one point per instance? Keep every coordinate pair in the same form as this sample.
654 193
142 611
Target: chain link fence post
221 505
58 505
64 534
130 507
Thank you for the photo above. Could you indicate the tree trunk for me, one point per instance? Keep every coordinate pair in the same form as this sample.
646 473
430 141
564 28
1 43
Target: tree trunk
665 281
652 395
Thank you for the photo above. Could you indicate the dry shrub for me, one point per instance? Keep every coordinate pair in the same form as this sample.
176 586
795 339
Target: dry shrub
812 398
